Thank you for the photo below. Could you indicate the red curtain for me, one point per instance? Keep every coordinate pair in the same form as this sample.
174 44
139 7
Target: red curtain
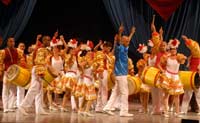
6 2
165 8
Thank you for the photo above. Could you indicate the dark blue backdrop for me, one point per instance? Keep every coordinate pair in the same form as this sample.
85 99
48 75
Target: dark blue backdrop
14 17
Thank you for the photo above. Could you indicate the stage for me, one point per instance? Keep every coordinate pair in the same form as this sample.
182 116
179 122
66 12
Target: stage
70 117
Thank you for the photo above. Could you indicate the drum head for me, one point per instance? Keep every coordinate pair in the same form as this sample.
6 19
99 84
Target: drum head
12 72
197 81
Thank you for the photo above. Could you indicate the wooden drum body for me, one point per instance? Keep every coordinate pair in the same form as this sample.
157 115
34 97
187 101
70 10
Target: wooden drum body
150 76
48 77
18 75
134 84
190 80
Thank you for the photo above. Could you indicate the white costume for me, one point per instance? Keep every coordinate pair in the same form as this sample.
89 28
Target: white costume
102 96
71 81
35 92
156 93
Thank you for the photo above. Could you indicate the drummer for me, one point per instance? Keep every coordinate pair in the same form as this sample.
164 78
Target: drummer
159 49
35 92
23 63
8 57
194 61
101 70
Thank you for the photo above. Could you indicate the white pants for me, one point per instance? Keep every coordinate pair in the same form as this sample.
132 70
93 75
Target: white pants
20 95
187 97
8 94
120 89
117 103
157 96
35 92
73 102
102 96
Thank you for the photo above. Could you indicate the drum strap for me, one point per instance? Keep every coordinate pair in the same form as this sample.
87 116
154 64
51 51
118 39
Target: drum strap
49 83
87 77
72 71
10 55
171 72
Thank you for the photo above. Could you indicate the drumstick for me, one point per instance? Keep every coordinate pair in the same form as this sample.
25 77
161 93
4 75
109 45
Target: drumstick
49 83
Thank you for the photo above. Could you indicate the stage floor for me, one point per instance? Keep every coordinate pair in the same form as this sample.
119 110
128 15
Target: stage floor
69 117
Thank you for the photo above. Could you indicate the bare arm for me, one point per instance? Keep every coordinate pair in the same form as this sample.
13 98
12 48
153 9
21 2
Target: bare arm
161 33
185 38
64 42
131 33
38 39
120 31
115 41
98 45
153 28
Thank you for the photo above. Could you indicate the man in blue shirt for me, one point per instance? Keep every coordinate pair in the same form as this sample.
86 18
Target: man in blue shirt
120 88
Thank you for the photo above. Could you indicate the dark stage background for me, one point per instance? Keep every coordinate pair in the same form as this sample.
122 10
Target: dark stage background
82 19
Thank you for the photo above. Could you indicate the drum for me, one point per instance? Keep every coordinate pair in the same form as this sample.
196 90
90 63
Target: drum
110 79
150 76
134 84
190 79
18 75
49 76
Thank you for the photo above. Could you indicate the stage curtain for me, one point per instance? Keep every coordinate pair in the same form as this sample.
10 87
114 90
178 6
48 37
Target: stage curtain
184 21
14 17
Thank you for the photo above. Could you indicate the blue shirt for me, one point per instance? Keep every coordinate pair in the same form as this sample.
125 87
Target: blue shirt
121 60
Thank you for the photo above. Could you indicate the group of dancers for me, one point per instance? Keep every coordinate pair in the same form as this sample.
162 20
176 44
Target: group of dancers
86 73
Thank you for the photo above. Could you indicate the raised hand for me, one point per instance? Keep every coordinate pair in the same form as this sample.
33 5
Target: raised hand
133 29
121 28
62 38
39 36
161 30
153 28
184 37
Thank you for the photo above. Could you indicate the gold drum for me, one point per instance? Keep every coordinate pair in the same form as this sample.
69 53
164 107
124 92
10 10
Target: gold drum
18 75
134 84
189 79
150 76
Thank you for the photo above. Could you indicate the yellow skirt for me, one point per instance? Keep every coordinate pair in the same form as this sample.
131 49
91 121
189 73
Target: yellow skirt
173 87
69 81
85 89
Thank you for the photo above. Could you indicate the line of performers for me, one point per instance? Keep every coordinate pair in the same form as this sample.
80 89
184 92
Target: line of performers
86 74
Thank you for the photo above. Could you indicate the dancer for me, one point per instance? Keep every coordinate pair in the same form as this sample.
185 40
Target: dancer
35 92
70 79
145 89
175 86
121 72
57 62
86 88
101 68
